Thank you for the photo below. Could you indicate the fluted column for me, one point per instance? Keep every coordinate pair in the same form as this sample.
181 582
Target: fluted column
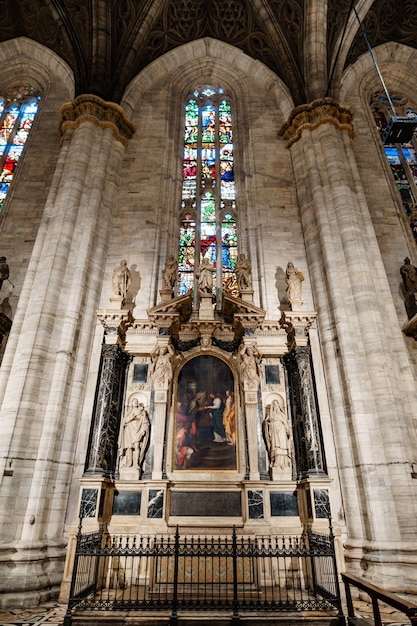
306 422
47 361
370 386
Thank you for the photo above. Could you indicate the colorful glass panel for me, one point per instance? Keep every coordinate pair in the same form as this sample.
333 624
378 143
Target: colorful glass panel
16 119
208 183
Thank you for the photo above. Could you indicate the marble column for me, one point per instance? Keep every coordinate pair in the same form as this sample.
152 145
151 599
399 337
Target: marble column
47 357
368 374
305 418
105 426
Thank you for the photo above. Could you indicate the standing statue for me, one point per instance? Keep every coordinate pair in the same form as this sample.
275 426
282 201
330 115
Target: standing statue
4 270
293 278
135 436
277 435
121 279
205 276
409 275
243 273
249 366
162 366
169 272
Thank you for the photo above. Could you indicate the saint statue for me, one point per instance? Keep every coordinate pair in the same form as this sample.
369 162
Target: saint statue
277 435
293 278
205 276
135 435
169 273
121 279
243 273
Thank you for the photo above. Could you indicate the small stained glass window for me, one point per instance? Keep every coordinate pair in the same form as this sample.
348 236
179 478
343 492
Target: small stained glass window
208 205
18 108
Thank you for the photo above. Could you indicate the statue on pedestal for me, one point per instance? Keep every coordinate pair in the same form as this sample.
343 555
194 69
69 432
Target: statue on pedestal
249 366
293 278
4 270
277 435
409 275
205 277
169 273
135 435
121 279
243 273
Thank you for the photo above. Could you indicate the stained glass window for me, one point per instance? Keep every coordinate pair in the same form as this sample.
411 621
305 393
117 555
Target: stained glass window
208 205
17 112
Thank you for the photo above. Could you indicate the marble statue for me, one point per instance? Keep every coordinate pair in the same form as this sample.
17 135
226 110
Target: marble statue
169 272
121 279
243 273
161 366
4 270
409 275
205 276
294 279
135 435
277 435
249 366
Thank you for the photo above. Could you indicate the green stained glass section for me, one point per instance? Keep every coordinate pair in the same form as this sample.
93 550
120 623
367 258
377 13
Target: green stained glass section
186 255
16 119
191 124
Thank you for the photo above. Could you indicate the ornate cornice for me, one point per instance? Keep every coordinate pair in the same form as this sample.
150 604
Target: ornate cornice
104 114
312 115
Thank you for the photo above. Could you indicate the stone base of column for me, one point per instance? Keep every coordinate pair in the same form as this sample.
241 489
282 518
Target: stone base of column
30 574
166 294
246 295
206 311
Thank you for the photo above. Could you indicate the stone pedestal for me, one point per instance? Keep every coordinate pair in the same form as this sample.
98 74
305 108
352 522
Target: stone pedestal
206 310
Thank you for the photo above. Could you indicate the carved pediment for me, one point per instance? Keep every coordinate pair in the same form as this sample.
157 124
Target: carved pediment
171 312
241 313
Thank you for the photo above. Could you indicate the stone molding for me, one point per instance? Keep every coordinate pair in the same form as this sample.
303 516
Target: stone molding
103 114
310 116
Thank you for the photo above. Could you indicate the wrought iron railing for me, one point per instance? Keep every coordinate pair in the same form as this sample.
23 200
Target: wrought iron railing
230 573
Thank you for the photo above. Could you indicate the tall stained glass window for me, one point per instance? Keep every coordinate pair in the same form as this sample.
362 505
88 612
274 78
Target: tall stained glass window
208 204
402 157
17 112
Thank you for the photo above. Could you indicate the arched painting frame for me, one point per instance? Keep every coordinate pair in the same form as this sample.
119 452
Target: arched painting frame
205 418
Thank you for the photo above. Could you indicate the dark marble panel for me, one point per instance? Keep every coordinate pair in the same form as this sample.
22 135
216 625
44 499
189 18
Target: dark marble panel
127 503
309 507
140 373
256 504
88 505
155 503
284 504
272 374
322 503
206 503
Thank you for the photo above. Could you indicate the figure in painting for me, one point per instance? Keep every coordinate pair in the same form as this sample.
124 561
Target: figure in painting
205 276
169 273
277 435
121 279
217 408
229 418
243 273
162 366
293 278
135 436
4 270
249 365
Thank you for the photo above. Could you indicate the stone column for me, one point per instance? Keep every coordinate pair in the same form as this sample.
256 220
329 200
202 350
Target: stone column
47 357
161 379
249 368
105 426
305 418
371 391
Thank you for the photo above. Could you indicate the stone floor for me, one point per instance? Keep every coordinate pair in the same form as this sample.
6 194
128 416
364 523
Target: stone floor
52 614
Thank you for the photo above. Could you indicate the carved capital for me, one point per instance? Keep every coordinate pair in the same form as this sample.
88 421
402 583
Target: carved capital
312 115
104 114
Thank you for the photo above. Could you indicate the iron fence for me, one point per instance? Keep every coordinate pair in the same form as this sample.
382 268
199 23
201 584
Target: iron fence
230 573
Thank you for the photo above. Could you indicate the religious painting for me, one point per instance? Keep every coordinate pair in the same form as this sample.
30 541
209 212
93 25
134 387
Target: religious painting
205 418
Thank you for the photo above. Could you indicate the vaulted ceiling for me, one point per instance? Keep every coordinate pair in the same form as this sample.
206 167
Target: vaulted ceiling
107 42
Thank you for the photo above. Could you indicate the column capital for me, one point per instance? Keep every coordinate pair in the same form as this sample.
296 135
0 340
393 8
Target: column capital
312 115
91 108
